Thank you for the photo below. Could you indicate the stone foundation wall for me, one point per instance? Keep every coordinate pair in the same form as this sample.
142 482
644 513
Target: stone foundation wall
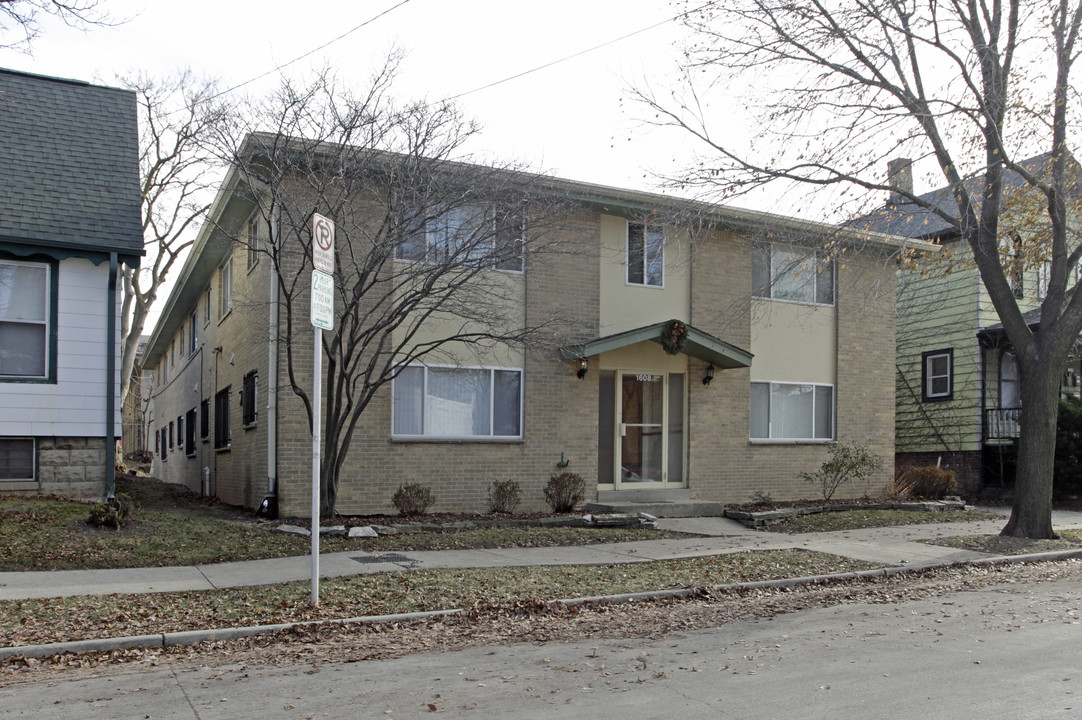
74 467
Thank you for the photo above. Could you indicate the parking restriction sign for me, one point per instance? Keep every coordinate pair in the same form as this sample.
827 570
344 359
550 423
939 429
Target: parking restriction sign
323 243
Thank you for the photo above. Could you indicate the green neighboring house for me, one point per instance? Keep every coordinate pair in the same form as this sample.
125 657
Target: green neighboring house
957 383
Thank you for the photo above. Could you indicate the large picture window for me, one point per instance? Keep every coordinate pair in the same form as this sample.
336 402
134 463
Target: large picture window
792 411
26 314
446 402
794 274
645 255
468 235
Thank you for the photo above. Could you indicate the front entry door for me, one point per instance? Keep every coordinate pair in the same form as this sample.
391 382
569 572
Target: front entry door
649 445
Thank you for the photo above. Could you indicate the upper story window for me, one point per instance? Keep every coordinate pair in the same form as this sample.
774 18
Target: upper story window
251 239
27 342
225 291
193 338
454 402
206 307
645 255
794 274
937 374
468 236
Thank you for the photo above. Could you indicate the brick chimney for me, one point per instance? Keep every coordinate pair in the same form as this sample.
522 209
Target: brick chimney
900 179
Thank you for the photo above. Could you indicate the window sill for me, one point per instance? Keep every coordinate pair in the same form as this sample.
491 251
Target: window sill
794 441
224 449
807 303
30 380
191 455
408 439
251 426
644 285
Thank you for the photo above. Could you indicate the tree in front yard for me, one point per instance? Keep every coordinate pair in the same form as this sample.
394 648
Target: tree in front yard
970 91
429 250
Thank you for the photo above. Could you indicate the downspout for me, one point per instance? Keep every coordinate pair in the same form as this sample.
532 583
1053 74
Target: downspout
110 381
270 503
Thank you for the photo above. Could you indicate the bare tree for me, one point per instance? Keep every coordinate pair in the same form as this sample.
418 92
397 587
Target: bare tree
967 88
19 18
427 248
178 121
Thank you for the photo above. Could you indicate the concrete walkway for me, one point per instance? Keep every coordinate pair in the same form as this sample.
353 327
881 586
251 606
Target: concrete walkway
895 546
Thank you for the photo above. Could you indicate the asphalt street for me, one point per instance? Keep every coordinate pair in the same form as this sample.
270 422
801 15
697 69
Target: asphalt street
1009 651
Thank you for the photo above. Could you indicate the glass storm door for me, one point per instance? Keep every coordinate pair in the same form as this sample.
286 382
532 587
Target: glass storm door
649 430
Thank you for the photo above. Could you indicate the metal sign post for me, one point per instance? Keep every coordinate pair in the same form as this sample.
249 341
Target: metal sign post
322 315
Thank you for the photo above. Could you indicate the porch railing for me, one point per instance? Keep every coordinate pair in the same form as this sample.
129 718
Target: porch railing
1002 423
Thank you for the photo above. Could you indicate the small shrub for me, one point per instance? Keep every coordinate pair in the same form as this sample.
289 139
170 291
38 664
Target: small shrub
847 463
927 483
564 491
762 498
115 512
412 499
504 496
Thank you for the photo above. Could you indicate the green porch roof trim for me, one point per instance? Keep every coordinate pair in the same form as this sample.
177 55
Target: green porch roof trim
699 344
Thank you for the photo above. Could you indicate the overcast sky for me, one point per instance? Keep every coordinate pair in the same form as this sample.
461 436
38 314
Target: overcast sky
567 119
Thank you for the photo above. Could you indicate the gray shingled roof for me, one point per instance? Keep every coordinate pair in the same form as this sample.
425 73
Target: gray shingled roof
69 165
914 221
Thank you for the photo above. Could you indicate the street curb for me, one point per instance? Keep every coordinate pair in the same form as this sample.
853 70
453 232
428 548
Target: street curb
194 637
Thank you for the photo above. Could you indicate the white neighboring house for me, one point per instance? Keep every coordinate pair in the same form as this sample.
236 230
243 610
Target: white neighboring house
69 219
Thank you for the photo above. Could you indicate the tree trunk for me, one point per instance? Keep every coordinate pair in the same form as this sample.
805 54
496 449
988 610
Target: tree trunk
1036 451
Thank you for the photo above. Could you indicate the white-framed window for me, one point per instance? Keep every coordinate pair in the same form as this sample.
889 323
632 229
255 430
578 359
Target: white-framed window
251 238
206 307
225 288
802 275
16 459
645 255
25 315
937 374
458 402
193 337
470 234
792 411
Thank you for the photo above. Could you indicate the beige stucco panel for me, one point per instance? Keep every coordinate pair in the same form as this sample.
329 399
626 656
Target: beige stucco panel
626 307
793 342
646 355
505 297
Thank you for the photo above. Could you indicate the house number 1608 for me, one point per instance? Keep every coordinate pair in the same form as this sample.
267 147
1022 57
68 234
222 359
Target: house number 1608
647 378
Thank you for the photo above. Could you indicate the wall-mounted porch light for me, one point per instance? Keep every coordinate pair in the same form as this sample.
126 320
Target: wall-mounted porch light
584 365
709 375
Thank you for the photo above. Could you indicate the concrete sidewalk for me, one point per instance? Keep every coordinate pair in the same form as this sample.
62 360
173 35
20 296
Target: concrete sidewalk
895 546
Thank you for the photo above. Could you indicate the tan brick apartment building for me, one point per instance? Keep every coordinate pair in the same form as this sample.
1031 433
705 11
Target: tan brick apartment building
781 348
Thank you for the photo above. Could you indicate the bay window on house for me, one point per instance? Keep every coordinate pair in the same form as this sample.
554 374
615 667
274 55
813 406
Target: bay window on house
458 403
782 272
792 411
